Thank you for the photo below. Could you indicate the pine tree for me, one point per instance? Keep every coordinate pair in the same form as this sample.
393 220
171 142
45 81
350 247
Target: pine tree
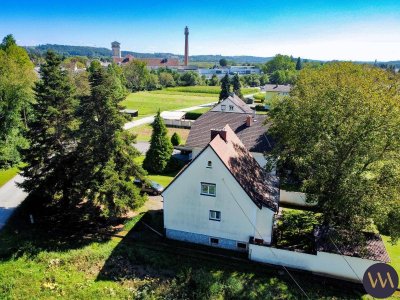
106 155
52 133
225 87
159 154
237 86
299 64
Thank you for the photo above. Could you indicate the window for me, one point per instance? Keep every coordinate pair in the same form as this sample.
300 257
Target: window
215 215
208 189
214 241
209 164
241 245
223 107
230 107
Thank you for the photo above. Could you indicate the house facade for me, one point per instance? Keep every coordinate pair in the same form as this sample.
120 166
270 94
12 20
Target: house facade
216 201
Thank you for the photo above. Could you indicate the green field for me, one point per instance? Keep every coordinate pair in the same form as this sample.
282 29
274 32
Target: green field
144 132
206 90
6 175
148 103
394 253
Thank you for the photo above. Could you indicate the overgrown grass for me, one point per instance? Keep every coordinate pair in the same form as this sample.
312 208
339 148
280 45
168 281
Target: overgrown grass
148 103
8 174
39 263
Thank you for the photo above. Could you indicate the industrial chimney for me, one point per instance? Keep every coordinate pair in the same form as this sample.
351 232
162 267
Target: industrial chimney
186 46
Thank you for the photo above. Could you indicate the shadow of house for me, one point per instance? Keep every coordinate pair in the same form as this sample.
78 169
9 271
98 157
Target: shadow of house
54 228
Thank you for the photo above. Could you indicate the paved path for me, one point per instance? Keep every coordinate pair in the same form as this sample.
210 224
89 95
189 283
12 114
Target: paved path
150 119
10 197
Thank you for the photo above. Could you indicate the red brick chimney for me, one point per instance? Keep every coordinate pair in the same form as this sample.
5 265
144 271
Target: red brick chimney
220 132
249 121
186 46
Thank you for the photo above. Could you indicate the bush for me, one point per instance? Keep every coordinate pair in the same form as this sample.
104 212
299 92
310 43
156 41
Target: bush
191 115
260 108
176 139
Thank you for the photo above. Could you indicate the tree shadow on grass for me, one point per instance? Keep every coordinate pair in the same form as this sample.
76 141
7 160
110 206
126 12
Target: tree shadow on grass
54 229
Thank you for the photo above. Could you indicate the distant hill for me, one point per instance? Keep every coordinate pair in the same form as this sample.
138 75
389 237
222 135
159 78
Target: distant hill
98 52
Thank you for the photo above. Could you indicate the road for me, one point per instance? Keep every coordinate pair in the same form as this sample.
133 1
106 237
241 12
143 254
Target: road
150 119
10 197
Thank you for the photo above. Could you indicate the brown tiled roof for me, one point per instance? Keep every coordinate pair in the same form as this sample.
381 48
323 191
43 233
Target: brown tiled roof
151 62
160 62
277 88
254 137
373 250
261 187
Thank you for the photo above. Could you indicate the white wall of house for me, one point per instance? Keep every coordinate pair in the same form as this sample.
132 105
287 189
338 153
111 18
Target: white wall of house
227 106
185 209
259 157
329 264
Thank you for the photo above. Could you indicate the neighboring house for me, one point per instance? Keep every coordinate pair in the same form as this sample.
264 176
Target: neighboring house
282 90
216 201
250 128
233 104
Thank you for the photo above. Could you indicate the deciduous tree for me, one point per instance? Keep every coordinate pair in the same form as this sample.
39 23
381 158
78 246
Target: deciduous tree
16 81
339 135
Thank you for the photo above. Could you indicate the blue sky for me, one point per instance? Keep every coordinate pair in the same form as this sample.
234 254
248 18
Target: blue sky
346 30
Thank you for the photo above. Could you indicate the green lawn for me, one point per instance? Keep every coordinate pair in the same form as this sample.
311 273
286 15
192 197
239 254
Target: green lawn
394 253
144 132
148 103
6 175
164 179
206 89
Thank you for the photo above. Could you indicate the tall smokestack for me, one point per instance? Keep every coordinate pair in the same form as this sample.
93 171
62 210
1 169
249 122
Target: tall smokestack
186 46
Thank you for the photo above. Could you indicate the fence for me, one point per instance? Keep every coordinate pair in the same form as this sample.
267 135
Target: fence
328 264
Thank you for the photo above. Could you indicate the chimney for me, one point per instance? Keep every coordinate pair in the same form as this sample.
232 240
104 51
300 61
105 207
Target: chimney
186 46
222 133
249 121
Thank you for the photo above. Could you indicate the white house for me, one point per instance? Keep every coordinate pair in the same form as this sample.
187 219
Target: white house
233 104
222 198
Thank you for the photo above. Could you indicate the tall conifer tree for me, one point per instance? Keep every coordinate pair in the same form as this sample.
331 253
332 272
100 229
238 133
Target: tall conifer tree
159 154
237 86
51 133
106 152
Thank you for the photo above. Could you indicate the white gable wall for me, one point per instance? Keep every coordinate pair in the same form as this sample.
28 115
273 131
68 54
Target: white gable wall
259 157
227 102
185 209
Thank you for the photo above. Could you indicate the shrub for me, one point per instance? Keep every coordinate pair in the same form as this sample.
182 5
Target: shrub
176 139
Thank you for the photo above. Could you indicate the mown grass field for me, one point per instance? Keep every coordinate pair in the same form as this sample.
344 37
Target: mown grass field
205 90
6 175
148 103
60 259
144 132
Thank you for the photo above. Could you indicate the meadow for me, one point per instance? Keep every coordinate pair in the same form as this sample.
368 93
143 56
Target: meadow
7 174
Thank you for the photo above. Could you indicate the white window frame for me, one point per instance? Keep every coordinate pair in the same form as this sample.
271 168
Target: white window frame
214 215
208 192
223 106
231 107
